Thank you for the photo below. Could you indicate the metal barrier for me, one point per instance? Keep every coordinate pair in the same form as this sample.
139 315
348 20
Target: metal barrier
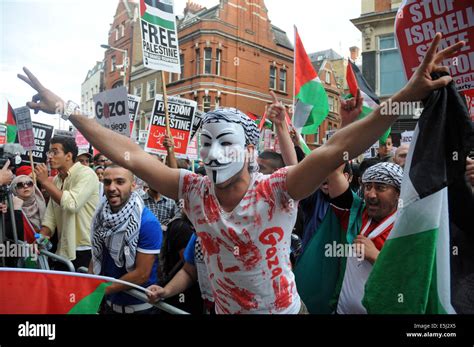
161 305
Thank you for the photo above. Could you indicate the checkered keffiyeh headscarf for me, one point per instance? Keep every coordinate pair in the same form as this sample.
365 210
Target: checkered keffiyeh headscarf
233 115
387 173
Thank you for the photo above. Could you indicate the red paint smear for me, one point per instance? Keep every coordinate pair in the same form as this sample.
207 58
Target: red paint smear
243 297
211 210
219 264
282 290
264 192
248 254
232 269
209 244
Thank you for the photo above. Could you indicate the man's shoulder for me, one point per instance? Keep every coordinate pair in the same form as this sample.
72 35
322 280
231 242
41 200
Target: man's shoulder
82 170
148 216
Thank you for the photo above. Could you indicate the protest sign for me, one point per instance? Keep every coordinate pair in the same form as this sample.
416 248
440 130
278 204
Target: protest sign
111 110
24 128
181 113
133 107
42 137
417 23
3 134
159 35
407 137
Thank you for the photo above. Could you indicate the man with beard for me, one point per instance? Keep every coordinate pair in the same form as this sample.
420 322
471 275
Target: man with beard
367 224
126 239
243 218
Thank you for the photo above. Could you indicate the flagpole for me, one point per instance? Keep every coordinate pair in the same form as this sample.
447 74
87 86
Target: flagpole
167 117
30 154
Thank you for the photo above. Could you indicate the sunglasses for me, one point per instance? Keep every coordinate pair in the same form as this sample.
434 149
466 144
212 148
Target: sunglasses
24 184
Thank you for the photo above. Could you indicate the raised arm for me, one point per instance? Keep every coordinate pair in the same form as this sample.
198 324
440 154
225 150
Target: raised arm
116 147
304 178
278 116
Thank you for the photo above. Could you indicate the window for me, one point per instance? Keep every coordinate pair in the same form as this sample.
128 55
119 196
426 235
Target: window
282 80
151 89
122 29
207 60
116 33
391 76
273 72
137 90
181 61
328 77
198 61
206 102
331 104
113 64
218 102
218 62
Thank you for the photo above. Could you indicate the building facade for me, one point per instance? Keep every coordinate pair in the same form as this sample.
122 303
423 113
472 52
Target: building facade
117 65
330 68
381 61
231 55
92 85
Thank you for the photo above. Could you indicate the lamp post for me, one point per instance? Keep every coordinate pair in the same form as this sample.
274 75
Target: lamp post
125 61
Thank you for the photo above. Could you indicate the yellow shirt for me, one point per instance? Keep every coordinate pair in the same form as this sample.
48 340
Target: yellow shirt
73 216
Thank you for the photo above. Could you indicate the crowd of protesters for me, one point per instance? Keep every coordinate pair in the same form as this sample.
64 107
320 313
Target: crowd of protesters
225 238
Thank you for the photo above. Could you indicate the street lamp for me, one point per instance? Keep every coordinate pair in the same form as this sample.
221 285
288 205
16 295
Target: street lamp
125 61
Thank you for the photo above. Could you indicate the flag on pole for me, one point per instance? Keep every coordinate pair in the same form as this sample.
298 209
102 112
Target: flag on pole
311 99
415 272
356 81
11 125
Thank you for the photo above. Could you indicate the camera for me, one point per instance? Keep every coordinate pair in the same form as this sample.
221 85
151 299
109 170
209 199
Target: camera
12 152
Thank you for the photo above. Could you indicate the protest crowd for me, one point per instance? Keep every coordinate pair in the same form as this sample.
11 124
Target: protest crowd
250 231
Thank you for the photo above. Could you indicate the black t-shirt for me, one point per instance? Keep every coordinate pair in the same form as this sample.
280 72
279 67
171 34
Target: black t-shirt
175 239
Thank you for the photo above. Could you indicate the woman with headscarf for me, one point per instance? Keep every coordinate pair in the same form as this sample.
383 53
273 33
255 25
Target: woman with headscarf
34 205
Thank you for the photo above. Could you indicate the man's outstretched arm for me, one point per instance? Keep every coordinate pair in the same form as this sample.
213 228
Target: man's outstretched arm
118 148
304 178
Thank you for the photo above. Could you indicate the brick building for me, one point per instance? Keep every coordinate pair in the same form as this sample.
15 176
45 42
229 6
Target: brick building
231 55
120 37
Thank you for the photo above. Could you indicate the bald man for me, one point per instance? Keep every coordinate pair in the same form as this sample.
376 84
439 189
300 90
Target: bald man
401 155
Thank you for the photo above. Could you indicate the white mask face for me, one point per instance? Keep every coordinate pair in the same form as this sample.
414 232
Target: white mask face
223 150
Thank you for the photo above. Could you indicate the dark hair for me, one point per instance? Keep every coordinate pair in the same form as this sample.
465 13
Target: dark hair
385 143
201 171
348 168
273 156
97 156
69 145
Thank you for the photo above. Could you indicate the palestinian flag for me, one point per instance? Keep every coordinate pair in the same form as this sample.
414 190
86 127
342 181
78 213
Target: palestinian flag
426 263
158 12
316 273
311 99
356 81
11 125
261 122
28 291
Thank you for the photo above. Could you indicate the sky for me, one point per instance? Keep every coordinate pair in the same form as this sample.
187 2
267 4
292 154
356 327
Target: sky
59 40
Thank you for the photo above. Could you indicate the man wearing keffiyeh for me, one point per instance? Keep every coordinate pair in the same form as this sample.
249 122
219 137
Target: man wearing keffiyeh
126 239
366 223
